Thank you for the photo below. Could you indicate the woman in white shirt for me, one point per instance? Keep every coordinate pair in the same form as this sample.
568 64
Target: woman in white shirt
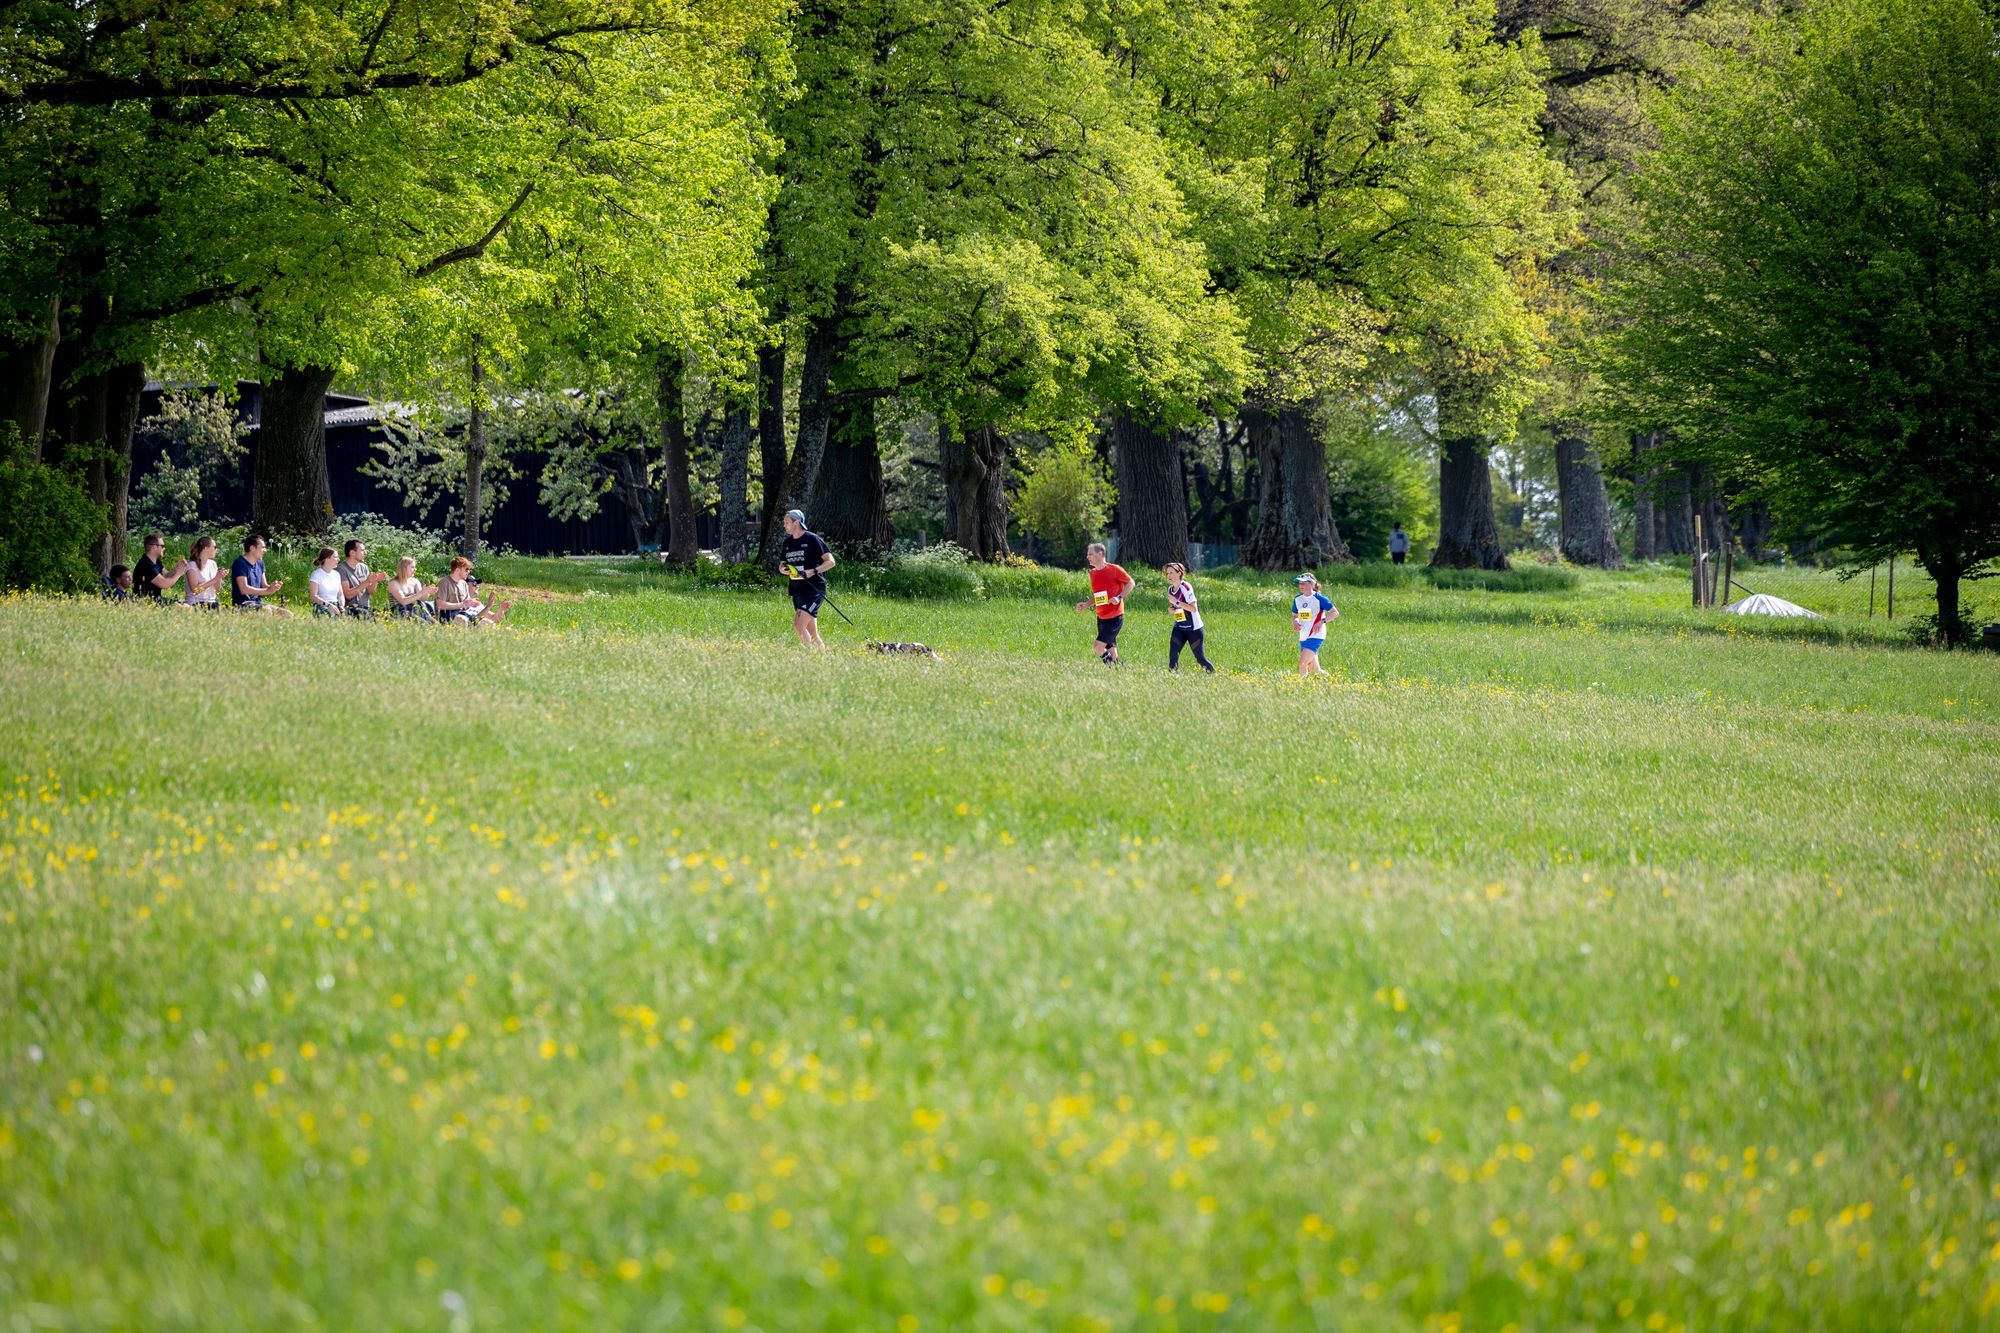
204 577
327 597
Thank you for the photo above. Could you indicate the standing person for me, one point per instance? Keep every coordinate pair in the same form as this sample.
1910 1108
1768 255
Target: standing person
204 577
324 586
149 577
806 561
1187 617
1399 544
247 585
1108 585
1311 611
357 585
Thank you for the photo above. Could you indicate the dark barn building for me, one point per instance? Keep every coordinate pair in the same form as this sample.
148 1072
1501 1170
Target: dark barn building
520 523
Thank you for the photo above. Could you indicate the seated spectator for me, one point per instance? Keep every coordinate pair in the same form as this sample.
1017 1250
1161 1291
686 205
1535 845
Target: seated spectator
323 584
247 585
408 596
458 597
150 578
204 578
118 584
357 585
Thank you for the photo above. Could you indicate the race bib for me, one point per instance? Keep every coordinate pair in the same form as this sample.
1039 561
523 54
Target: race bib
1101 598
1180 613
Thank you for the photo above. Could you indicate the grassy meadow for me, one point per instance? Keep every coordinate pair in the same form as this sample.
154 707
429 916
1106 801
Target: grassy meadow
1566 959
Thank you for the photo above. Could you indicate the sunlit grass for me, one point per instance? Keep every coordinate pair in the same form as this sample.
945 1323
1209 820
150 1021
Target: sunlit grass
1564 960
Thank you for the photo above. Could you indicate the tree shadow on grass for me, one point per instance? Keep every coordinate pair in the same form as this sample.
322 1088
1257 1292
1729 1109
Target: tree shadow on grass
1717 624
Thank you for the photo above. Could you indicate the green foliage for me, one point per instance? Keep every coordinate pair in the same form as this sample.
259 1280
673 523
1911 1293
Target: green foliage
1819 313
1367 574
744 576
943 572
1379 475
48 525
1065 495
1521 578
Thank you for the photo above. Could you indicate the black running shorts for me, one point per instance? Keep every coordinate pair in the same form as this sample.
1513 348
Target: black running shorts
806 597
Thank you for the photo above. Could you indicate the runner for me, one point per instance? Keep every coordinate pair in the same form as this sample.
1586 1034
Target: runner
1187 617
1310 613
1108 586
806 560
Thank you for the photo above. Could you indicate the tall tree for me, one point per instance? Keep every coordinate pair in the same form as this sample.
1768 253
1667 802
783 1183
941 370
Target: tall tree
1820 312
978 218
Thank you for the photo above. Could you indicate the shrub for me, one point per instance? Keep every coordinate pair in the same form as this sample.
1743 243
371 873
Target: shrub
1064 497
48 524
1369 574
1030 581
939 573
386 541
1525 578
744 576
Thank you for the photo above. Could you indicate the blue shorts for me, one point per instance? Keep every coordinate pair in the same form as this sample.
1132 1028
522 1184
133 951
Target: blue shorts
1311 645
807 598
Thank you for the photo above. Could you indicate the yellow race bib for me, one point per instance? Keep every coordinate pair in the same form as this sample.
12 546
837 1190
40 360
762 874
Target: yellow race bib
1101 598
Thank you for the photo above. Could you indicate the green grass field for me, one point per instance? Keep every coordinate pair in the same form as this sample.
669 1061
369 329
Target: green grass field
1566 960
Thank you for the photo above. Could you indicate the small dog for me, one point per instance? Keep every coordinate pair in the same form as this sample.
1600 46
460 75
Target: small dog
886 647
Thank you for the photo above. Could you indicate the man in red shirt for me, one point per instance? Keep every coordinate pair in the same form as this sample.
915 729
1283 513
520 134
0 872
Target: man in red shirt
1108 586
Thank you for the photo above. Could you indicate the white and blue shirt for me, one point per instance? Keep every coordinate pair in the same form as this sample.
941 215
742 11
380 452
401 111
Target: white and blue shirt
1309 612
1181 604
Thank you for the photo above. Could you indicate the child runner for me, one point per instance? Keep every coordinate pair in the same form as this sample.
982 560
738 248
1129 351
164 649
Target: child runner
1310 613
1187 617
1108 585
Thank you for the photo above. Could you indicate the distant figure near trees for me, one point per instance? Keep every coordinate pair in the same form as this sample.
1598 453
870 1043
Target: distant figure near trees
1399 544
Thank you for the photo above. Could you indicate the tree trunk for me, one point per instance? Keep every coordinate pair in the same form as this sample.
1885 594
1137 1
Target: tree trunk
290 491
683 541
771 425
26 377
1294 515
1468 538
1753 524
1152 492
1946 568
475 463
1644 547
733 514
90 425
975 481
823 342
848 503
1677 504
1585 510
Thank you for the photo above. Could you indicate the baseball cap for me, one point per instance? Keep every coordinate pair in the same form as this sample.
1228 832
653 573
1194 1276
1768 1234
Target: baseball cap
1307 577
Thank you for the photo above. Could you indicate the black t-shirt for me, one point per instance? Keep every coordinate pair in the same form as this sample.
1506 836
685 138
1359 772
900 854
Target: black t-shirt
143 575
804 554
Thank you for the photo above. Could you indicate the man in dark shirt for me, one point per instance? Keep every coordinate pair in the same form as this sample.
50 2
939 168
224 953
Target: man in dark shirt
149 577
118 584
806 560
247 584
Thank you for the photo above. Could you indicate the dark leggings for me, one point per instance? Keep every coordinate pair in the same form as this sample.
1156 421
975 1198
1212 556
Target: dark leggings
1186 638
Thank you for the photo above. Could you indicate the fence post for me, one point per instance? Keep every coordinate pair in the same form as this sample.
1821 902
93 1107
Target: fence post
1892 587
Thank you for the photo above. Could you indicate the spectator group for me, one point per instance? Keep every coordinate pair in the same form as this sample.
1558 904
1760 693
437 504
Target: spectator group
339 585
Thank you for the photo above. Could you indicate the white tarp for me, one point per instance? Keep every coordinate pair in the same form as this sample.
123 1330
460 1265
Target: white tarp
1761 604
